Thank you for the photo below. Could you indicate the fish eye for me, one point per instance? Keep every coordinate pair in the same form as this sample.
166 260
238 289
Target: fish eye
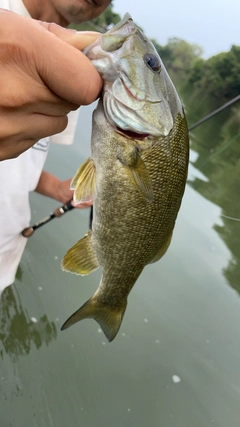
152 61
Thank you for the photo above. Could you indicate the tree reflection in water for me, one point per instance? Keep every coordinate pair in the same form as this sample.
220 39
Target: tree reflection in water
19 332
217 145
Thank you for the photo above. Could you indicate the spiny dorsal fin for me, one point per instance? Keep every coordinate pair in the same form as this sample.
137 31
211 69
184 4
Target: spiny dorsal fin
84 182
138 173
81 258
109 319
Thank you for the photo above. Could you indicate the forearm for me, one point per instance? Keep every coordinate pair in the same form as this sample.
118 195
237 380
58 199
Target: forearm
49 185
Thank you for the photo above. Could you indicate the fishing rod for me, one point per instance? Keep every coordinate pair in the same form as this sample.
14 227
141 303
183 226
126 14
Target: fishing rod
204 119
57 213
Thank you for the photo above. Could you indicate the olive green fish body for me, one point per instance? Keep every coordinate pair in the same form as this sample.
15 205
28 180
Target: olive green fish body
137 172
126 228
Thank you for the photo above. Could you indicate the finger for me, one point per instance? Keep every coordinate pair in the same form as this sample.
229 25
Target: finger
82 205
47 125
21 141
78 39
64 63
28 94
41 126
10 149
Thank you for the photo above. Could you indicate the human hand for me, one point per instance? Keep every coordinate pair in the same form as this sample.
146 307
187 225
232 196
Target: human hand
65 194
43 77
50 186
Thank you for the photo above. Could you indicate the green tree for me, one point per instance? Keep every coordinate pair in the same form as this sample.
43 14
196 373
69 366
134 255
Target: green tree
179 55
219 75
196 70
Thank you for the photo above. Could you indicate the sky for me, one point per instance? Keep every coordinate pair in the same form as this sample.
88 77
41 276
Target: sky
211 24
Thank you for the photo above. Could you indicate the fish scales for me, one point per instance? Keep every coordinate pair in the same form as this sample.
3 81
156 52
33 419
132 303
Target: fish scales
137 171
127 209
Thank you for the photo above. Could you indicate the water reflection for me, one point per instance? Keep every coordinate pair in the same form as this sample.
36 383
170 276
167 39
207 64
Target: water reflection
174 330
217 146
18 332
19 274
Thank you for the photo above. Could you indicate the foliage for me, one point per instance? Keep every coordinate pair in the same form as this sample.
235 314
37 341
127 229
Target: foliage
179 55
219 75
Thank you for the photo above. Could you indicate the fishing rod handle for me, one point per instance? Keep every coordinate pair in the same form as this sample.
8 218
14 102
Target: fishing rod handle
28 232
58 212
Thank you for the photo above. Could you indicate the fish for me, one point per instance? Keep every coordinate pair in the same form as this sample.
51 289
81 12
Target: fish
136 173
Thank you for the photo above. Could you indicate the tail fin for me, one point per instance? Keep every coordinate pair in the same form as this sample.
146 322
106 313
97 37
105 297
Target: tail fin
109 319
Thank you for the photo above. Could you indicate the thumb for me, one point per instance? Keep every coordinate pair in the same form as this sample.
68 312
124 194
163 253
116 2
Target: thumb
78 39
65 69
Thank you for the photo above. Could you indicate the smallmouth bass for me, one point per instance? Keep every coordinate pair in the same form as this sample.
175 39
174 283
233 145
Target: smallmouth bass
136 173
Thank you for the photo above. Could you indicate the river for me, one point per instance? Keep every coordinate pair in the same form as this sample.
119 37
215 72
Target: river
175 361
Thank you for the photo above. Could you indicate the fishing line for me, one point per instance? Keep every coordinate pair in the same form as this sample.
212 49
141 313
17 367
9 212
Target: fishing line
220 150
58 212
204 119
218 110
209 116
230 217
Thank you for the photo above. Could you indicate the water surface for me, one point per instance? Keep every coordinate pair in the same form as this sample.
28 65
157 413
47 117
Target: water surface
175 361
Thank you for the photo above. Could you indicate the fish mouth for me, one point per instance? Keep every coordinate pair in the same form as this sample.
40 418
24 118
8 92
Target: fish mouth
131 134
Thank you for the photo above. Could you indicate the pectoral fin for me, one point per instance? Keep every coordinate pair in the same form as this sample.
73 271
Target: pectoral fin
81 258
138 173
84 182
